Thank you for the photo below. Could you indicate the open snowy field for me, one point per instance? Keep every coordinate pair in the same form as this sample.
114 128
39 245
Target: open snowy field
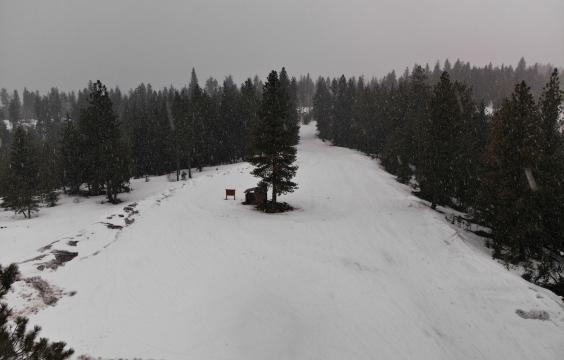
361 270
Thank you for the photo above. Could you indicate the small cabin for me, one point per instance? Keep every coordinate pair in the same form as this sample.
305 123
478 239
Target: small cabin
255 196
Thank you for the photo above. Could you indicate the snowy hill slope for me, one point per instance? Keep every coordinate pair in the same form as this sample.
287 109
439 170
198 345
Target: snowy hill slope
362 270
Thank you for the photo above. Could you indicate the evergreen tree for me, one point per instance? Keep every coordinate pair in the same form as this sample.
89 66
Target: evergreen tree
5 100
323 110
104 151
342 111
250 104
23 185
404 144
4 136
274 141
49 173
471 141
28 105
179 122
212 87
551 166
305 92
193 87
288 101
510 181
229 128
72 160
15 109
437 162
4 170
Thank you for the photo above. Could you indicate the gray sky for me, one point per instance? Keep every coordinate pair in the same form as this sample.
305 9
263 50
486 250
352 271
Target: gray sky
65 43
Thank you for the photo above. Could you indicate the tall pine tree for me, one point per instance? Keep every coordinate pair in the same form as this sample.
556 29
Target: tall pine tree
551 166
511 179
23 183
105 152
274 141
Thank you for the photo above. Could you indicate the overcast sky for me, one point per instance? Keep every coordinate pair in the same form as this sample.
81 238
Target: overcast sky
65 43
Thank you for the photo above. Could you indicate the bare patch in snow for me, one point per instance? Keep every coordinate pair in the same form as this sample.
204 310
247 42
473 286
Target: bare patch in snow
61 257
37 294
533 314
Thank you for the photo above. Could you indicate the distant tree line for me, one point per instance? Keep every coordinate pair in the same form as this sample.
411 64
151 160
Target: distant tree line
91 142
506 170
493 84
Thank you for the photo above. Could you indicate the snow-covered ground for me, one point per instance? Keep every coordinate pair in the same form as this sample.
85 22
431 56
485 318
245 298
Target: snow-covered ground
28 123
361 270
7 124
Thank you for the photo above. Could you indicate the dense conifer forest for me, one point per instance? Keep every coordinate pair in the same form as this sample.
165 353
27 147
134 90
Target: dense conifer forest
485 141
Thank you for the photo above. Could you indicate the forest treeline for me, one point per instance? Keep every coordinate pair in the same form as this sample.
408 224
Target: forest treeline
504 171
91 142
430 126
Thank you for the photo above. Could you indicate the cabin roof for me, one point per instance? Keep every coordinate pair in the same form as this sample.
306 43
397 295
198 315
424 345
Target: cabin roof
254 189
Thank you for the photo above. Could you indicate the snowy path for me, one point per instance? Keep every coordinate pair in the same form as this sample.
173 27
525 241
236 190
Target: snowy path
361 270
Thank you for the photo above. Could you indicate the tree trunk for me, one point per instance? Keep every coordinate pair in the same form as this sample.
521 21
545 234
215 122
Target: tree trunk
274 170
189 167
177 170
274 193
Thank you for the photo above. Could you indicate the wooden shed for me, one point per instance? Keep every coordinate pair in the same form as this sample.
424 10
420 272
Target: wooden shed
255 196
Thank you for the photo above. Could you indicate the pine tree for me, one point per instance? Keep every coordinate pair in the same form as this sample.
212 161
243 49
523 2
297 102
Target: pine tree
228 128
274 141
180 122
342 111
5 100
288 102
471 142
323 110
49 172
28 105
15 109
4 136
23 184
72 160
16 342
193 87
4 170
250 104
510 182
551 166
437 161
410 112
105 153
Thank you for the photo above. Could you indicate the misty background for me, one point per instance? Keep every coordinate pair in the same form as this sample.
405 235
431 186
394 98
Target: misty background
65 43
